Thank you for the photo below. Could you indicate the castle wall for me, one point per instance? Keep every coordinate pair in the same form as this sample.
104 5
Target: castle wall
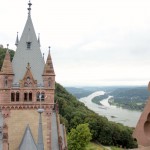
142 130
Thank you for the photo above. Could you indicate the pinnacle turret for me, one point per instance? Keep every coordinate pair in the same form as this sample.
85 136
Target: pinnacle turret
7 66
39 40
17 40
48 69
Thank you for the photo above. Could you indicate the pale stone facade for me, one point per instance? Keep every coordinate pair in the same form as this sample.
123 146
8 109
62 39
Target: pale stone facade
24 117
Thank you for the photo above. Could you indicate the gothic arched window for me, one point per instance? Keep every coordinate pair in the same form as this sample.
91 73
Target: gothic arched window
42 96
30 96
38 96
12 96
25 96
17 96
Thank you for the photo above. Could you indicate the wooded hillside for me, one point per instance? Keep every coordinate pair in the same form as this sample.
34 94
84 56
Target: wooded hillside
103 131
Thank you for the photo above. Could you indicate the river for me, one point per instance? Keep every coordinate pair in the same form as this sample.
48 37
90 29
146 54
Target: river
113 113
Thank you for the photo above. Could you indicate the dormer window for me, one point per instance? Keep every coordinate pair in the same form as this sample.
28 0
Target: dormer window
28 45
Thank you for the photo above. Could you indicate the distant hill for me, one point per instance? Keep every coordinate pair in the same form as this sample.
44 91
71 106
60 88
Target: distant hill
85 91
141 92
79 92
130 98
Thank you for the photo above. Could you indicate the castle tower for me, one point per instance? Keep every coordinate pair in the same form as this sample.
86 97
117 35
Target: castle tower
27 84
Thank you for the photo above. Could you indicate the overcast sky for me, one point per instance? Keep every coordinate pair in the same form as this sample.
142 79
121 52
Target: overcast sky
93 42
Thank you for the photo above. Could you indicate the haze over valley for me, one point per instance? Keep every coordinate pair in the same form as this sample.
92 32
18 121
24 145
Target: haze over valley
119 104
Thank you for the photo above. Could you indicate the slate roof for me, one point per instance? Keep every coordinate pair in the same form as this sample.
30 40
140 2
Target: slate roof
25 55
55 145
27 142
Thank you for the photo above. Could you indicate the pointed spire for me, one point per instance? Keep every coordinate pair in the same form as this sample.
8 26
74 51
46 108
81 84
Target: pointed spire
17 40
29 9
40 145
7 66
27 140
39 40
48 69
29 50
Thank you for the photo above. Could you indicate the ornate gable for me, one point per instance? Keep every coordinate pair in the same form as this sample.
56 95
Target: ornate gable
28 80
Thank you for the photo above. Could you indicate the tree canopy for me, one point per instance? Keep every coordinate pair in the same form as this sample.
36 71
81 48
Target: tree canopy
79 138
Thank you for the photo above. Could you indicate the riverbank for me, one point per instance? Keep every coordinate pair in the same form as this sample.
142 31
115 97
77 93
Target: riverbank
113 113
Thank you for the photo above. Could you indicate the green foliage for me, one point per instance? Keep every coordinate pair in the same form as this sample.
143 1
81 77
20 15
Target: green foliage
2 55
78 138
103 131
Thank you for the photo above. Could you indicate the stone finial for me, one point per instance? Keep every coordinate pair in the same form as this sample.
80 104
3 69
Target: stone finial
29 9
28 66
17 40
49 50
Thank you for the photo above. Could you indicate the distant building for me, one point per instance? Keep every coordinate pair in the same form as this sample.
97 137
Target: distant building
28 120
